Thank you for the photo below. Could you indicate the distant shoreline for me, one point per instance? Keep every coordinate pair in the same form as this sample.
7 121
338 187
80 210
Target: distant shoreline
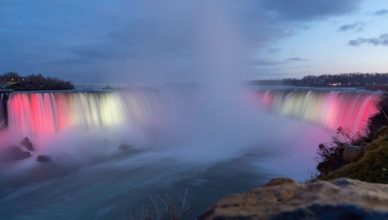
12 81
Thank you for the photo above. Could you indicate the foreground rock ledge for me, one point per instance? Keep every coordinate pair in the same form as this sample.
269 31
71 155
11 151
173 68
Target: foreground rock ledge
285 199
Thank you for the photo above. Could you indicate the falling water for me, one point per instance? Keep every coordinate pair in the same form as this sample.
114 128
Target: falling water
34 113
331 109
31 113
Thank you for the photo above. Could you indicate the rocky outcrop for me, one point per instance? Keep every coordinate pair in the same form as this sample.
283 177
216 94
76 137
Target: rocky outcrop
281 198
23 151
14 153
27 144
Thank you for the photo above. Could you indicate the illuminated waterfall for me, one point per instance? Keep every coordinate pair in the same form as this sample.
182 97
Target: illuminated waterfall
331 109
49 112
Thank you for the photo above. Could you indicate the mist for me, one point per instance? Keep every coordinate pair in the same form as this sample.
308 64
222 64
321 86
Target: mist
194 124
205 43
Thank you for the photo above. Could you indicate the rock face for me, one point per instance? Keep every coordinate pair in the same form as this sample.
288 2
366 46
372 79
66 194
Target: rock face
27 144
340 199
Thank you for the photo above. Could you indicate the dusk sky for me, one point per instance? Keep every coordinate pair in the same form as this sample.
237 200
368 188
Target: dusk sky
145 41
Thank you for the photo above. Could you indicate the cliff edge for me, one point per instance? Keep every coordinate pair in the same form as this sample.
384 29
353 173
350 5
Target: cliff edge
283 198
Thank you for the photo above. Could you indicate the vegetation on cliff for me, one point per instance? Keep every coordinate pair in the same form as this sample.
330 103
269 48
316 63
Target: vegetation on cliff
330 156
372 163
372 167
13 81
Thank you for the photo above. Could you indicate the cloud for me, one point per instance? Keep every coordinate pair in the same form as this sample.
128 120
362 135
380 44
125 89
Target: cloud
269 62
274 50
140 39
357 27
296 59
119 38
381 40
381 12
309 9
97 52
164 45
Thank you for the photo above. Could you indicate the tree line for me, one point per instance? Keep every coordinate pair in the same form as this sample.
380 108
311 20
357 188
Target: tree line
14 81
346 79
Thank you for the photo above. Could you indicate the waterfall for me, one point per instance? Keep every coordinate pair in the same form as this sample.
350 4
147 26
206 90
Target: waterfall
49 112
30 113
331 109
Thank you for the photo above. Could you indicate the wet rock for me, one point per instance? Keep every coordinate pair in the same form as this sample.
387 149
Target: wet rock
286 199
15 153
351 153
43 158
27 144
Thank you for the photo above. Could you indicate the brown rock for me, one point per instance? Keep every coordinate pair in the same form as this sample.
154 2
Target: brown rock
286 199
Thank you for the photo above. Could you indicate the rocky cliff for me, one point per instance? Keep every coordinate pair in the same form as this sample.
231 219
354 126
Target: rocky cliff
281 198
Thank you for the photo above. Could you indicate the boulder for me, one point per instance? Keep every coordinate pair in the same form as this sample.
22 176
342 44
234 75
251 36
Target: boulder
15 153
281 198
43 158
27 144
351 153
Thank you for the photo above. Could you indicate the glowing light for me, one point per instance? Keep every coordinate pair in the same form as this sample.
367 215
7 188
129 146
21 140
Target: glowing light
41 113
49 112
331 109
31 113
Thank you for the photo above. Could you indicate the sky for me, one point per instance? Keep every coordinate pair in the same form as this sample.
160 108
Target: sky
145 41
